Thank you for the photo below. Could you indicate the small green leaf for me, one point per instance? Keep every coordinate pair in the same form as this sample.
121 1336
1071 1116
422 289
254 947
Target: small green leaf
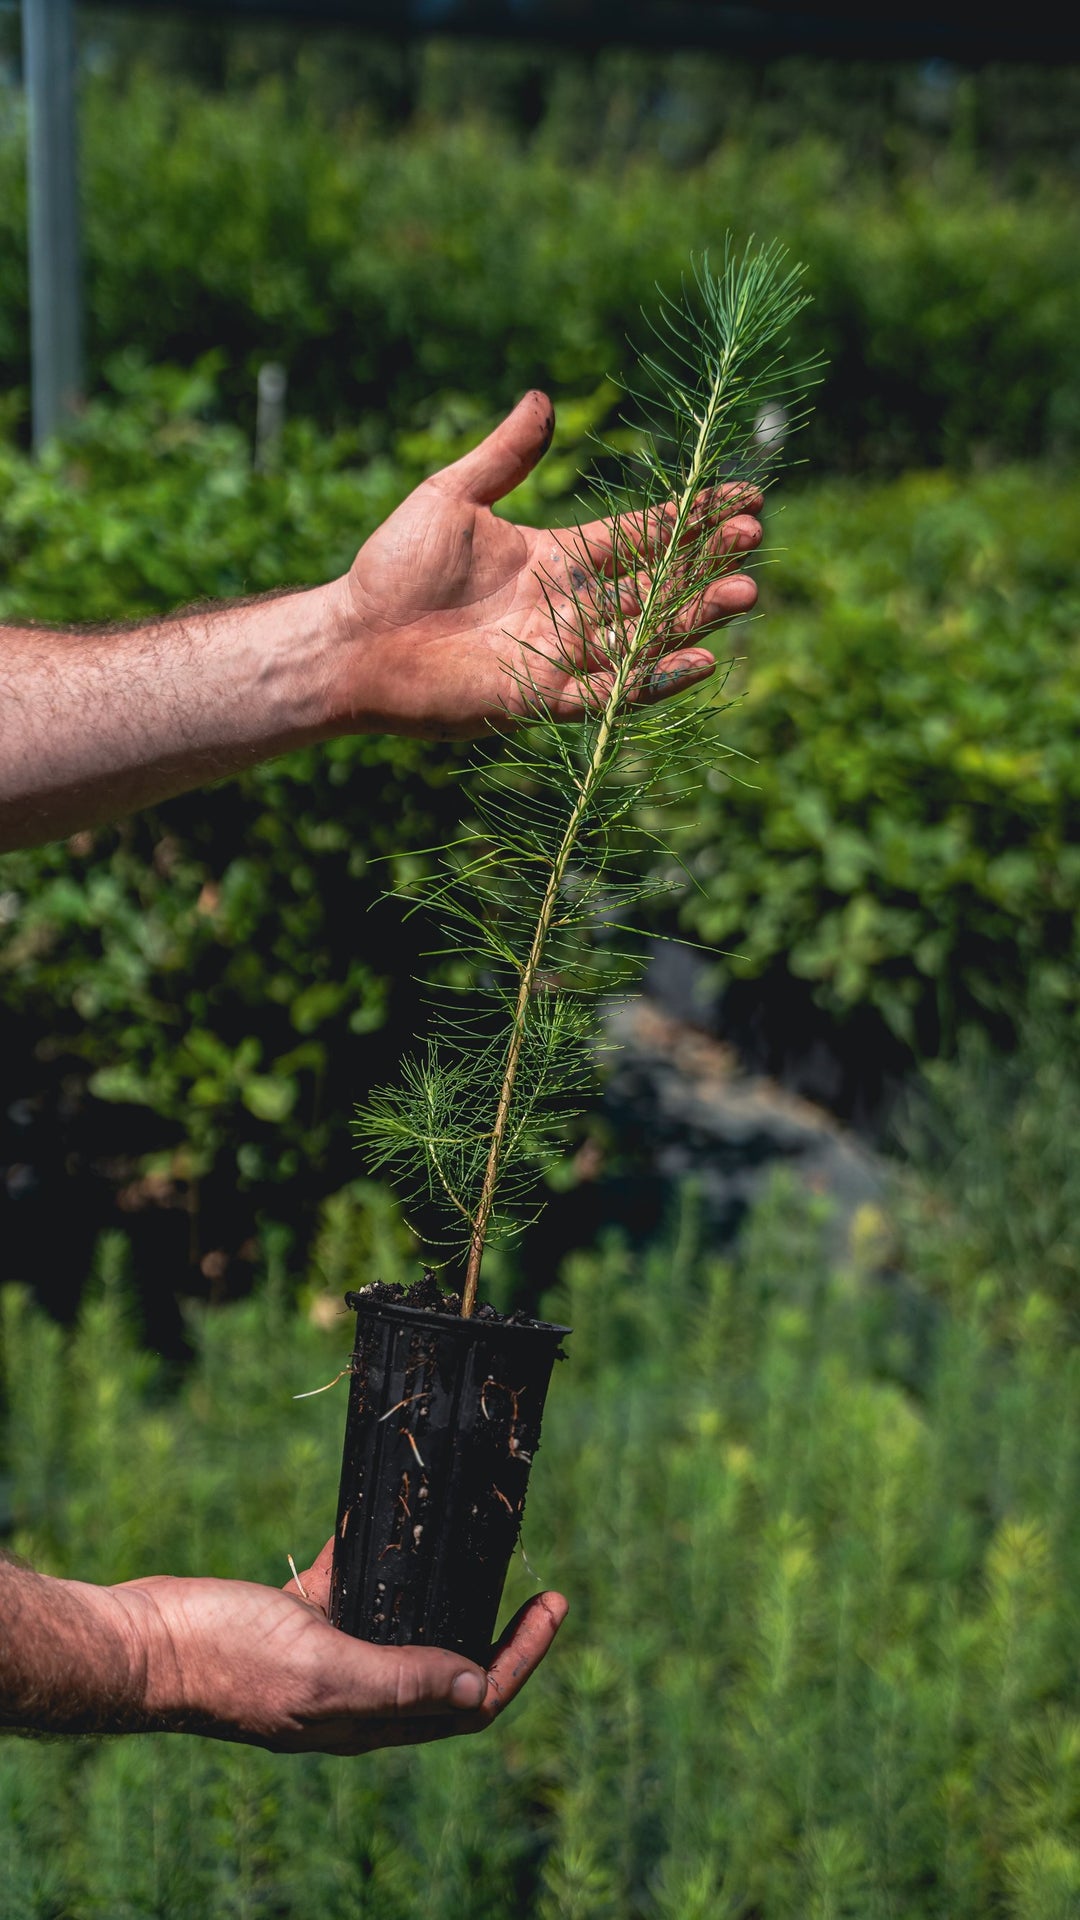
269 1097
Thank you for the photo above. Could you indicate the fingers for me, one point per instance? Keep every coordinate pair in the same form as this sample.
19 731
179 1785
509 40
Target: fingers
409 1683
674 674
597 645
594 619
730 510
313 1585
522 1647
355 1696
442 1691
511 451
415 1683
721 600
514 1660
412 1695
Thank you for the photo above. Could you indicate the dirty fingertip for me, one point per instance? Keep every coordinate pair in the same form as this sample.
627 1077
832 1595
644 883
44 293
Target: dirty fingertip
675 674
555 1605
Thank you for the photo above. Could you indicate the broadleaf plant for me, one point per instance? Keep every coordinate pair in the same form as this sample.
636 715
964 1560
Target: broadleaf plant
533 898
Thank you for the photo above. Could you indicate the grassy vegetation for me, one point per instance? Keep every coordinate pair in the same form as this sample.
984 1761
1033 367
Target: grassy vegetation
818 1532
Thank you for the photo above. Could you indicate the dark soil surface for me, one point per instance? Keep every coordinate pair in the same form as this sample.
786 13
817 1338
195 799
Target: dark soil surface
427 1295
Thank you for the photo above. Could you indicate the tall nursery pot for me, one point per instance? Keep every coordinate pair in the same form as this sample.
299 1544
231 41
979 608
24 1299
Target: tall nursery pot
443 1422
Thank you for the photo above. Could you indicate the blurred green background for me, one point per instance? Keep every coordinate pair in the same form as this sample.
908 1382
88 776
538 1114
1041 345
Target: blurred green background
816 1516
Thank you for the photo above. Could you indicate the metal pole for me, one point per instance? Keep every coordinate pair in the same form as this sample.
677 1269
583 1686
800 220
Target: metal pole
55 295
269 415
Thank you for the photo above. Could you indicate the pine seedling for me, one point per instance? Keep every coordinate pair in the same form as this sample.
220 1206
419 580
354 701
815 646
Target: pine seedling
534 897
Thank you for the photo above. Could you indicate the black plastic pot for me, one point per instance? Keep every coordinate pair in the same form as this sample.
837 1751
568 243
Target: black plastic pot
443 1422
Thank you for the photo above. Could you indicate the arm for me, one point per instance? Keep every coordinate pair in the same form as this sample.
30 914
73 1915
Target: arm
95 724
443 618
240 1662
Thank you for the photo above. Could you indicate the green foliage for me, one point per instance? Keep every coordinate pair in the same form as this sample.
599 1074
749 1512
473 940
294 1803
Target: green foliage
381 268
821 1660
907 840
910 835
557 854
155 502
994 1137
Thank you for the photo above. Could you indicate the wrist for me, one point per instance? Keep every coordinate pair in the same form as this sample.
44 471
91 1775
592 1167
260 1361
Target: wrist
338 691
291 659
158 1693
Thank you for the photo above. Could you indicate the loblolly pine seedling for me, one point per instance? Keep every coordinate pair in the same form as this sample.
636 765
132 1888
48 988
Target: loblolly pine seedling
533 896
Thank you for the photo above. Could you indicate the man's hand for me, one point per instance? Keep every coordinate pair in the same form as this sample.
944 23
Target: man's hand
249 1663
455 620
241 1662
450 621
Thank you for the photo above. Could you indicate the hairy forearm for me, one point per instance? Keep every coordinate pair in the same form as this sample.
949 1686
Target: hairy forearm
94 724
68 1660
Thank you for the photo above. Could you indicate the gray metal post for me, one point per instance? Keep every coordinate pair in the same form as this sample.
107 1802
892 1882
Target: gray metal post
55 291
269 415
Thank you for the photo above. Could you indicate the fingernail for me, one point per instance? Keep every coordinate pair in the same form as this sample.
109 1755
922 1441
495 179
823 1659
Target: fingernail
468 1690
672 676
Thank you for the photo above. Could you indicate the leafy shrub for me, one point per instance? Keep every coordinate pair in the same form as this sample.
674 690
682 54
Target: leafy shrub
909 837
381 268
821 1656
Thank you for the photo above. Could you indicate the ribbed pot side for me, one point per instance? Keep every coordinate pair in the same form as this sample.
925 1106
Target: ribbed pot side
442 1426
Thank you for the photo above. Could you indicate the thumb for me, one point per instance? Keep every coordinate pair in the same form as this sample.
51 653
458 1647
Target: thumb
511 451
410 1681
313 1584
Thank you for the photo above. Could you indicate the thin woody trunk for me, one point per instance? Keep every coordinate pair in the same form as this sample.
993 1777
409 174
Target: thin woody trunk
648 621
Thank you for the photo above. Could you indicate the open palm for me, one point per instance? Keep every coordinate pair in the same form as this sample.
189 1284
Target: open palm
458 620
